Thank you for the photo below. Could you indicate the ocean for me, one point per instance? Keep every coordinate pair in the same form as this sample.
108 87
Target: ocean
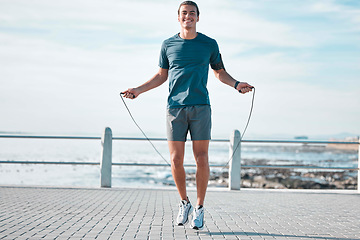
64 150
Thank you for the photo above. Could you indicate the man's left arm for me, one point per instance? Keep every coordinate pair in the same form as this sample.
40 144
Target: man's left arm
225 78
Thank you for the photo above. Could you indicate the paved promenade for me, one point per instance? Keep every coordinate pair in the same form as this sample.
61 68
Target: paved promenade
128 213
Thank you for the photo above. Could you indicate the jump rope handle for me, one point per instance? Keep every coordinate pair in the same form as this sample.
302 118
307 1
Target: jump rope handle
133 96
241 92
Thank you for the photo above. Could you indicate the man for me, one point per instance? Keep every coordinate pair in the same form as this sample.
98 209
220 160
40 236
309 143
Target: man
185 60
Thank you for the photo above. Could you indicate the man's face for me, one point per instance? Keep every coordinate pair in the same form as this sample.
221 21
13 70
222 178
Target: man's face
188 16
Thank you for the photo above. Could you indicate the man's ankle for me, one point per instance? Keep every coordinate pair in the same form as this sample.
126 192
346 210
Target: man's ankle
186 199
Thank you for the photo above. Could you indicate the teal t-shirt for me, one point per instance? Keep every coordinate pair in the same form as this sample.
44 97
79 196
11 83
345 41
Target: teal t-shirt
188 63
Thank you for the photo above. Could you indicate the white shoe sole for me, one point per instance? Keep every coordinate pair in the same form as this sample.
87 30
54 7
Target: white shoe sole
197 228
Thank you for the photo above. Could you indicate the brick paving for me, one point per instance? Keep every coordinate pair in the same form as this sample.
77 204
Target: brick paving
131 213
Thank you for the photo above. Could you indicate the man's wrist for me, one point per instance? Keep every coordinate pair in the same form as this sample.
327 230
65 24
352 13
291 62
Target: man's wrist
236 84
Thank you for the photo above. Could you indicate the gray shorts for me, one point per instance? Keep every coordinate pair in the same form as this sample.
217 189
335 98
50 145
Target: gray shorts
196 119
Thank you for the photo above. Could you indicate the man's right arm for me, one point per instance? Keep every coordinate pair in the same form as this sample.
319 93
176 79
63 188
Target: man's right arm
224 77
159 78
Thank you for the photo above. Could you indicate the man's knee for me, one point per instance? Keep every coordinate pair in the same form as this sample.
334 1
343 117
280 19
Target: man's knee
202 159
177 161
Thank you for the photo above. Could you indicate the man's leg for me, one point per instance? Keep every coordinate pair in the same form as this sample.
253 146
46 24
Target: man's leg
177 151
200 149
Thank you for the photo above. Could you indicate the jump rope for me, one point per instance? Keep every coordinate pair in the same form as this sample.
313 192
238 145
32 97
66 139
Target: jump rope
237 146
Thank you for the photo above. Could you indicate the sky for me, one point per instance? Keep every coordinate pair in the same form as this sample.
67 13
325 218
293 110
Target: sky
64 63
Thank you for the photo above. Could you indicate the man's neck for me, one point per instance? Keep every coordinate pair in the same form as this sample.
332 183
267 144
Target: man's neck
188 33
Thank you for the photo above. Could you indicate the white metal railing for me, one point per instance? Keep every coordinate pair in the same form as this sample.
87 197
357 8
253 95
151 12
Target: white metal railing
234 153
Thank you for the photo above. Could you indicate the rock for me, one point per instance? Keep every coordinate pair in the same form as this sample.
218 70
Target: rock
280 179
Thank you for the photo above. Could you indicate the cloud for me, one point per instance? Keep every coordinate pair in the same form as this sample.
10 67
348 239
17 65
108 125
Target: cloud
338 10
127 17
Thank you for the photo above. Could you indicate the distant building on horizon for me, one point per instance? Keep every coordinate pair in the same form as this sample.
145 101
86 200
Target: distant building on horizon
301 137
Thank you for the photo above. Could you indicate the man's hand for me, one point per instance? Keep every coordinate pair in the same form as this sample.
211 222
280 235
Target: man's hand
244 87
131 93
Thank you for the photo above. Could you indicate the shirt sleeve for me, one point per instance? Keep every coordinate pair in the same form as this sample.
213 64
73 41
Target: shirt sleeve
215 59
163 59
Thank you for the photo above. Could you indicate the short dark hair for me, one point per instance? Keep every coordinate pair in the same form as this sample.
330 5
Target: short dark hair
189 3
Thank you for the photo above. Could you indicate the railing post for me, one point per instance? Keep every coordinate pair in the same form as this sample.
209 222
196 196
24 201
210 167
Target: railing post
358 172
235 162
106 161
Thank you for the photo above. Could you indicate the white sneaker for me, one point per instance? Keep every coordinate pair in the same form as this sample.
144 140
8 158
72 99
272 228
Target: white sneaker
198 218
184 210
